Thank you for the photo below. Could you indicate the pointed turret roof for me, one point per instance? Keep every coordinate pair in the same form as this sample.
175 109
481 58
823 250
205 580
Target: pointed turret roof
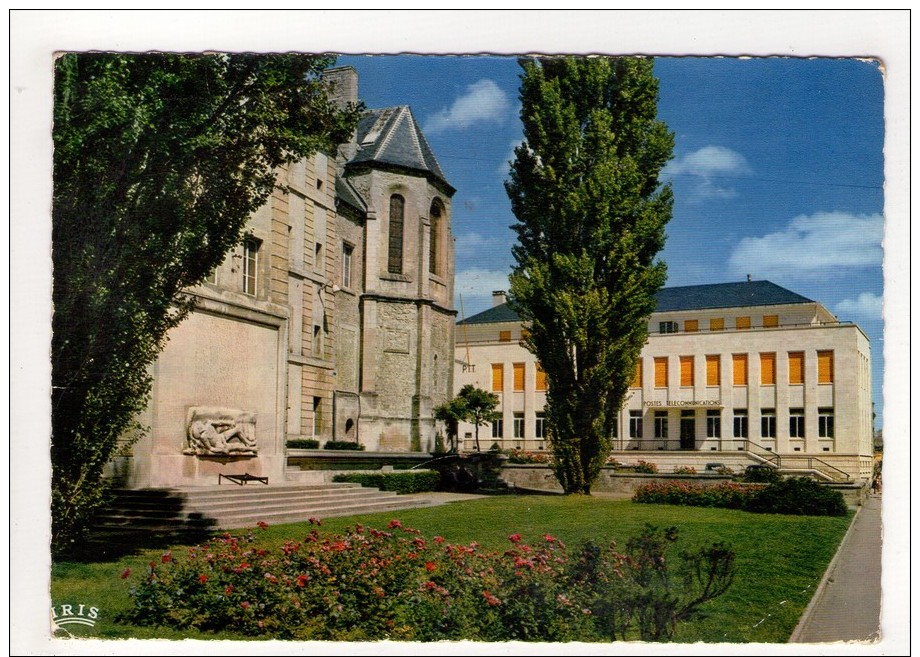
392 137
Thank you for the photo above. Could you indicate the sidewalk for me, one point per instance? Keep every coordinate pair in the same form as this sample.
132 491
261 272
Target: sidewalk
847 603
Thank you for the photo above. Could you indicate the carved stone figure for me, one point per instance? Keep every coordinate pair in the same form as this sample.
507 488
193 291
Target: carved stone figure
220 432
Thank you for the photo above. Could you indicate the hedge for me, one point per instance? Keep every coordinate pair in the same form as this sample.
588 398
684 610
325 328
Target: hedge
412 481
344 445
303 443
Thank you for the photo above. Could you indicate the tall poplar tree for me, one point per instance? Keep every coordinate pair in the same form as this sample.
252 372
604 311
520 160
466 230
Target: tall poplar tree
159 161
591 216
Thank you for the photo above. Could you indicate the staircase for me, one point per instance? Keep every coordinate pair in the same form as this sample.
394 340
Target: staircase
233 507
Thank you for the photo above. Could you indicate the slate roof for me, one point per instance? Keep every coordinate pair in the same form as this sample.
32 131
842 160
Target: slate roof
688 297
392 136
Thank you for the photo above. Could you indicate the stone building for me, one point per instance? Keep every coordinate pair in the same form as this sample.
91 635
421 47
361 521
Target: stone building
734 373
333 320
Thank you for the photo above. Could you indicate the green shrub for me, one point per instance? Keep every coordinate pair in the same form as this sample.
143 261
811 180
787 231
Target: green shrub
394 584
763 474
413 481
725 495
799 496
646 468
343 445
303 443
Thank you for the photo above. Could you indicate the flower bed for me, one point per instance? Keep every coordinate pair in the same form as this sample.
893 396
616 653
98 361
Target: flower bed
371 584
724 495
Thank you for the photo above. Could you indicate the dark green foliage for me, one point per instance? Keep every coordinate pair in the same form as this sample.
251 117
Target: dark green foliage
761 475
414 481
590 222
159 161
646 590
799 496
345 445
471 404
303 443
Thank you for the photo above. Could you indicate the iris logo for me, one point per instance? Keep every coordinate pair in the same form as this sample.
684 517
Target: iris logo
73 615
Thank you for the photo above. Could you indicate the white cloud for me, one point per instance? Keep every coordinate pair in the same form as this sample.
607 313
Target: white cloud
822 245
468 246
506 163
483 102
866 306
706 166
476 285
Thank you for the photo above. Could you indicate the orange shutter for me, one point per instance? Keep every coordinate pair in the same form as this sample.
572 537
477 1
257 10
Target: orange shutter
691 326
825 367
661 372
541 378
796 367
770 321
504 336
686 371
498 377
740 369
768 369
742 323
717 324
519 377
713 370
637 378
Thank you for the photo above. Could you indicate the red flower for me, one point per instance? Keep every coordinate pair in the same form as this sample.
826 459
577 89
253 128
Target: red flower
166 557
244 604
202 579
438 539
126 573
430 566
491 599
515 538
228 590
549 538
315 521
262 525
394 524
302 580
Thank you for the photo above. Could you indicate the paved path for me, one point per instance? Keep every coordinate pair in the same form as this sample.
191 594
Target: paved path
847 604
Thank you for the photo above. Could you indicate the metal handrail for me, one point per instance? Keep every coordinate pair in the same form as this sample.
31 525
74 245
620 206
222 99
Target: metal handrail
773 457
826 464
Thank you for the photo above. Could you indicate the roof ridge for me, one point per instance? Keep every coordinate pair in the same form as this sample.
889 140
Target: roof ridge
390 130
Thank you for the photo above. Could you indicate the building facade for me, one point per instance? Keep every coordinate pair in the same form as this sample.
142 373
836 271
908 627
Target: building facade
332 321
743 370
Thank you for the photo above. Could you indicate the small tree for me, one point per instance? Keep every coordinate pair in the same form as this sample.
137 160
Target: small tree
590 222
451 413
159 161
471 404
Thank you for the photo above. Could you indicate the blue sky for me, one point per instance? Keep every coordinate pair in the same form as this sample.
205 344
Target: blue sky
778 171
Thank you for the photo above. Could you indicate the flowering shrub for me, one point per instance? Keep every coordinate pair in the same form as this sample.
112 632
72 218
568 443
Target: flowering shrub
724 495
646 467
684 469
371 584
522 456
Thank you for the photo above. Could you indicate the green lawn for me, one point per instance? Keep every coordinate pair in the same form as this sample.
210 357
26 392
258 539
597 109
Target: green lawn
780 559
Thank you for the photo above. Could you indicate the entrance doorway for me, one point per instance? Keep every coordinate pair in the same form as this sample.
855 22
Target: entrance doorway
687 430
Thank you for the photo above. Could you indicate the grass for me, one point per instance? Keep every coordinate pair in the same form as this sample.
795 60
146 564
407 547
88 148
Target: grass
780 559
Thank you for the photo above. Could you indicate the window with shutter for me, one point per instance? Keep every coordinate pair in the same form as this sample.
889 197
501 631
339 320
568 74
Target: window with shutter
661 372
825 367
686 371
796 367
768 369
498 377
740 369
713 370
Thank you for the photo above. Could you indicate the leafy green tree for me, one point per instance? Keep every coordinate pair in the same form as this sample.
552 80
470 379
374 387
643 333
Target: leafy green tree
471 404
451 413
590 215
159 160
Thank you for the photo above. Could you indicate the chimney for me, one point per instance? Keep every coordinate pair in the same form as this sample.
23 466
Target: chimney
342 83
498 298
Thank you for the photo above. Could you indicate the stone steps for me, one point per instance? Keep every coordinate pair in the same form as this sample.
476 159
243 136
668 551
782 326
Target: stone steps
234 507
